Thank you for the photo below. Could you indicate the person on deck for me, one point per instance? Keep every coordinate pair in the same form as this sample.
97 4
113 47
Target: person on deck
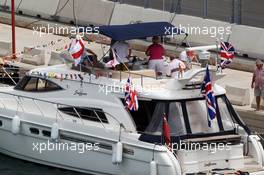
122 52
188 57
258 83
175 68
156 52
89 58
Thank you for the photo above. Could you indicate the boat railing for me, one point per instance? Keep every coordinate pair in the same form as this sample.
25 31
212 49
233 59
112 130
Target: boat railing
56 105
261 137
116 74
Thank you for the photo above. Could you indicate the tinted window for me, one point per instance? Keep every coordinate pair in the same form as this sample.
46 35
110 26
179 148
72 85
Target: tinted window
34 131
46 133
143 116
86 113
31 84
35 84
175 119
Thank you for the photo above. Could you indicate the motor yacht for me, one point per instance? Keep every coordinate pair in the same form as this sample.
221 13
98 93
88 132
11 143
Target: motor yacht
78 121
53 110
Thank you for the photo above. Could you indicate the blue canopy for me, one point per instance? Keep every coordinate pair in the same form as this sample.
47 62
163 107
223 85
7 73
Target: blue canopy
139 30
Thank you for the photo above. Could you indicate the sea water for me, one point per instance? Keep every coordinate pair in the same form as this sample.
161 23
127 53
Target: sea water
13 166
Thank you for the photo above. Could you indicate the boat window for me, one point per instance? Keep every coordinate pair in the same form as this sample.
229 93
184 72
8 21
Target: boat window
46 133
51 86
198 117
34 131
41 85
31 84
225 114
143 116
175 119
35 84
92 114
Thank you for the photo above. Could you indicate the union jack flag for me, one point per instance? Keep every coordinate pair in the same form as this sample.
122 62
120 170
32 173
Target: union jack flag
227 54
207 91
131 96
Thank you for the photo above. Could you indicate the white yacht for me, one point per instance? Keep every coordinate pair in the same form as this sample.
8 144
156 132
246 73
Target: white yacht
77 121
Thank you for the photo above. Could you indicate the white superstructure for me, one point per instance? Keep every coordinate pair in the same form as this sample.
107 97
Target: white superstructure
42 110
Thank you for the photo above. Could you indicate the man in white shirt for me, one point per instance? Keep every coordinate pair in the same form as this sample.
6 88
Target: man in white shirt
187 57
122 51
175 68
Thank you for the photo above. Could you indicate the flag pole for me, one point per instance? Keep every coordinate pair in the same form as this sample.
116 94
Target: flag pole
217 55
207 113
217 52
162 130
13 29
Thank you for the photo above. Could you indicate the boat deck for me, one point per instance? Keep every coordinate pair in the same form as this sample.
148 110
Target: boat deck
251 167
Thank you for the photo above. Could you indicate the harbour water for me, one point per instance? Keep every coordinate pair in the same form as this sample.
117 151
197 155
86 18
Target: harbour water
13 166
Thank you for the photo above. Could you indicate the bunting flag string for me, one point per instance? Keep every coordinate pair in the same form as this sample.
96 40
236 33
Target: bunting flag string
61 76
51 43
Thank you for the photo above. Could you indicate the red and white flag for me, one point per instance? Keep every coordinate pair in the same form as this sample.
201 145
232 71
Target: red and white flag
76 50
166 132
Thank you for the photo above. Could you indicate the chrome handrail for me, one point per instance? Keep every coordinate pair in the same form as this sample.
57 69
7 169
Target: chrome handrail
58 104
94 69
261 138
78 114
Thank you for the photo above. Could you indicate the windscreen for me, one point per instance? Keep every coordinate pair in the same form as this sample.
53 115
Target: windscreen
195 116
175 119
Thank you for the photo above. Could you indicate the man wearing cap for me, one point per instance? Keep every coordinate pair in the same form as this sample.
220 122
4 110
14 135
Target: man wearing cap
122 51
258 83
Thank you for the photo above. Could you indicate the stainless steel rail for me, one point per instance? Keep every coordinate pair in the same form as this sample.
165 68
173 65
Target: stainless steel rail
18 99
108 74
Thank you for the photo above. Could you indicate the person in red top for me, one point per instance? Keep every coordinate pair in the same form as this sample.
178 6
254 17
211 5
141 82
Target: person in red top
258 83
156 52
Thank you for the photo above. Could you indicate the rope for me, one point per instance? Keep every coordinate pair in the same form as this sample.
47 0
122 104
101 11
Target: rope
18 5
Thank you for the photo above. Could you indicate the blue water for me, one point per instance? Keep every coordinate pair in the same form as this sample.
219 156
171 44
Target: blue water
12 166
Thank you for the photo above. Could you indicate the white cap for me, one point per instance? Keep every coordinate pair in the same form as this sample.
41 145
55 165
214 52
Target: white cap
78 37
259 62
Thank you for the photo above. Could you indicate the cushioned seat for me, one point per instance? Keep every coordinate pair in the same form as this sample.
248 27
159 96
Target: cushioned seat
33 56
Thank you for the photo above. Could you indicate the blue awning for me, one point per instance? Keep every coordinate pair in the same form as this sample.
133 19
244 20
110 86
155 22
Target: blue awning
139 31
